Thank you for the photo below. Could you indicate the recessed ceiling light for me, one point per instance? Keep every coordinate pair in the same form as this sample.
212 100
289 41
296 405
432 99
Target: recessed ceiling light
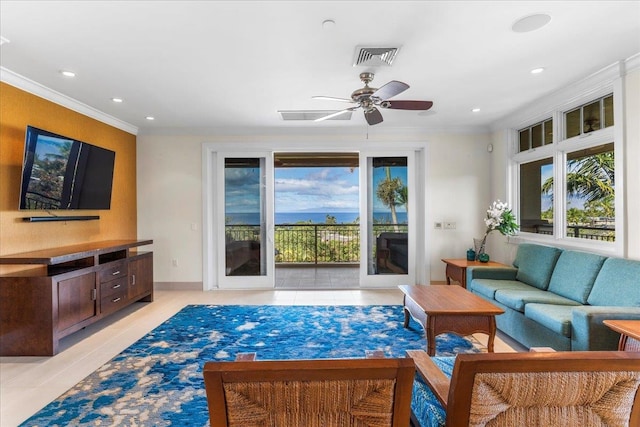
118 100
537 70
531 23
67 73
150 118
328 24
475 110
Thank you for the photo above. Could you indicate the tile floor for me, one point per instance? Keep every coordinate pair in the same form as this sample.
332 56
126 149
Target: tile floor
310 277
28 383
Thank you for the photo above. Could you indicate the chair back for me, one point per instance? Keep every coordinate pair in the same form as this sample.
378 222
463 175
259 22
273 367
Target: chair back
310 393
545 389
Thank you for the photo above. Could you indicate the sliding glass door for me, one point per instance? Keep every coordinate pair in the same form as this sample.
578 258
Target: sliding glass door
245 220
388 256
239 229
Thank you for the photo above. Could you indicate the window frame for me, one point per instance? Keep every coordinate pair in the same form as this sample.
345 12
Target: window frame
559 148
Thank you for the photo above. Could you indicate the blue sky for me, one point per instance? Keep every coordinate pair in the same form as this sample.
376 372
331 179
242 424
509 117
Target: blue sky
330 189
316 189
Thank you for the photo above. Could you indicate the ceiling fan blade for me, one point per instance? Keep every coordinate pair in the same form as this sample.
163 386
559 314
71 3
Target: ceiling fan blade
332 98
389 90
337 113
407 105
373 116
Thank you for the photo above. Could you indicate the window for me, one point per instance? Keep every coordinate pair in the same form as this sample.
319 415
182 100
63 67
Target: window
536 136
590 193
536 192
589 117
566 188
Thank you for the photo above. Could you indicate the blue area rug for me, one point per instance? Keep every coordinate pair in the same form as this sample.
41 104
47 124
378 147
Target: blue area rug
158 380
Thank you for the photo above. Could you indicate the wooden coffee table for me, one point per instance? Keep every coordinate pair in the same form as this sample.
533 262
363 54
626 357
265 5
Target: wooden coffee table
453 309
629 333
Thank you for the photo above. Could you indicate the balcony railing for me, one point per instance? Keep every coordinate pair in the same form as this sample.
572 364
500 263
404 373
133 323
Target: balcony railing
313 243
607 234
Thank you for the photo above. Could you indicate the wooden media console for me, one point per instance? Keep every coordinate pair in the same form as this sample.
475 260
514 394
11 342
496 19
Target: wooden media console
74 287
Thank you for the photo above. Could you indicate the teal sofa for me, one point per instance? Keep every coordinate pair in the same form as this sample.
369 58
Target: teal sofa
558 298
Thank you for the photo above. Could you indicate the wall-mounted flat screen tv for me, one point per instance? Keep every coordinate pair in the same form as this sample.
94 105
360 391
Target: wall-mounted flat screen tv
63 173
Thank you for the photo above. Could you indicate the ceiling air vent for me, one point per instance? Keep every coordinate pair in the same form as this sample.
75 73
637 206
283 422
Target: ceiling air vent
371 56
312 115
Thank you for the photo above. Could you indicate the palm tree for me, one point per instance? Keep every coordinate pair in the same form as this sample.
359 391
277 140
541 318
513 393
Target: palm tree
403 197
387 192
590 177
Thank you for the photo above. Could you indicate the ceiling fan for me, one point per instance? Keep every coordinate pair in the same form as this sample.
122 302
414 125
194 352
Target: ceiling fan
368 98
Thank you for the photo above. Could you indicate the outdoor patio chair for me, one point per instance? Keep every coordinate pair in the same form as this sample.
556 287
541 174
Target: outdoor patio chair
530 389
310 393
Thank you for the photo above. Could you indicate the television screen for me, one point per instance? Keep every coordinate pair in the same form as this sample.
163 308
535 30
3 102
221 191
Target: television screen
63 173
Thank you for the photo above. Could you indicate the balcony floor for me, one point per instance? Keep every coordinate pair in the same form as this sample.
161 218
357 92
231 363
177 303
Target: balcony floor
317 277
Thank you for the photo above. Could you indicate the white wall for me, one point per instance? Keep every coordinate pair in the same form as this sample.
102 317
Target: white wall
170 193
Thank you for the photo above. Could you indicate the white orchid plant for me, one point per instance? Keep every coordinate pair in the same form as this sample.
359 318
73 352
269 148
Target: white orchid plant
500 217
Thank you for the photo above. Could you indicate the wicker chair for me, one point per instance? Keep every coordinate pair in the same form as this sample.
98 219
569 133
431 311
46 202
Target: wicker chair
536 389
320 393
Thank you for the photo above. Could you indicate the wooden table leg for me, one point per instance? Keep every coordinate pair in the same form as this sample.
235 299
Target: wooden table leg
406 316
492 333
430 329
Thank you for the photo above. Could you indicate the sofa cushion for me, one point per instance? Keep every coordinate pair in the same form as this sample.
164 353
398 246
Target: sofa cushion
552 316
517 299
574 274
535 264
488 287
617 284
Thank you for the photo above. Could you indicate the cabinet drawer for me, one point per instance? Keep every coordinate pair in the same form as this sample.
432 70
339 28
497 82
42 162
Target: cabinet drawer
113 271
114 301
113 287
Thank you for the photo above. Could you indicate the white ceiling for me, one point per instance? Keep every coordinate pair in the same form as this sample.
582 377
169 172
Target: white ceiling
234 64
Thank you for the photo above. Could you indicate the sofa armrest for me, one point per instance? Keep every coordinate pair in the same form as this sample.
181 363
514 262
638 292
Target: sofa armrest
498 273
588 331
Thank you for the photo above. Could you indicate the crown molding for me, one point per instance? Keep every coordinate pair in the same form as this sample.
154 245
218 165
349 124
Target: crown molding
35 88
592 86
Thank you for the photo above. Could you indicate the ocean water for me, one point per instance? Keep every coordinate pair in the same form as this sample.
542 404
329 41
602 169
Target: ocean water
314 217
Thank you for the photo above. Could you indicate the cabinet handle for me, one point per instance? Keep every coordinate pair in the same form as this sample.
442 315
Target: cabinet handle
116 299
115 273
133 279
94 294
116 286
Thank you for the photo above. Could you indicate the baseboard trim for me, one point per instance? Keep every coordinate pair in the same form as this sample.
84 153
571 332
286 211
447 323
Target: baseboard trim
177 286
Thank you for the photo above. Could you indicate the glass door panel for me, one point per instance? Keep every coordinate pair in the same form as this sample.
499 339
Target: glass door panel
244 217
247 241
389 231
388 219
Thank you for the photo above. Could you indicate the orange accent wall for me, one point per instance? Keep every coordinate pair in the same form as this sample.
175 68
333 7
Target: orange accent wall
19 109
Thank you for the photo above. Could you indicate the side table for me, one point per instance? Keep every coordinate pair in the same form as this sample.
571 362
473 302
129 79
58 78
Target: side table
456 269
629 333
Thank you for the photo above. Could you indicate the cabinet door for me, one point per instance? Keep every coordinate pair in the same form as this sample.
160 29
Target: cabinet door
76 300
140 276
